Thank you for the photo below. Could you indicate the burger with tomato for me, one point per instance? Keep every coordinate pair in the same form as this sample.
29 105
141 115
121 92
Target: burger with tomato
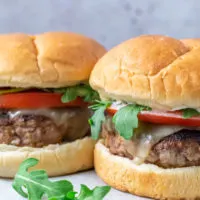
44 99
149 117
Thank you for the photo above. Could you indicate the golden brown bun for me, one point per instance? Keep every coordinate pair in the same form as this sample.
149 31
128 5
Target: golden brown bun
192 42
146 179
47 60
55 159
153 70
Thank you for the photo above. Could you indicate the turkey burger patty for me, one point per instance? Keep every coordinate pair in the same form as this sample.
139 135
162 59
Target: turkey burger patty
167 146
41 127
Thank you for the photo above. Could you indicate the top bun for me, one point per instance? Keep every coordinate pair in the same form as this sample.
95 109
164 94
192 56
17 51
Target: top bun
192 43
47 60
153 70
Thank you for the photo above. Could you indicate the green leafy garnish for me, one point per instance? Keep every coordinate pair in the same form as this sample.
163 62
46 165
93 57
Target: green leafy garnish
71 93
35 185
126 119
98 193
98 117
190 112
68 93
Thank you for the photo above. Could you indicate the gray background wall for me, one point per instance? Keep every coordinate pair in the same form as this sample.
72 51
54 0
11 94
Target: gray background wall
108 21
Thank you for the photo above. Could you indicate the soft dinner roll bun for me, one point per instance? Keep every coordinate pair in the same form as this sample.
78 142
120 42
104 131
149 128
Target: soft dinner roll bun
48 60
153 70
146 179
55 159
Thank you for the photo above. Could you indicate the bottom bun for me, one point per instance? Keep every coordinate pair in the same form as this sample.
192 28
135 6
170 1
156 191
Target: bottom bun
55 159
146 179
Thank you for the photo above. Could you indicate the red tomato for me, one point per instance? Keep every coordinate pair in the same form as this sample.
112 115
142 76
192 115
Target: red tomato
36 100
170 118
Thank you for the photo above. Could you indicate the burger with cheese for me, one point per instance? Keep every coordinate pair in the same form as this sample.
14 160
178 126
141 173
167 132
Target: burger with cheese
149 117
44 100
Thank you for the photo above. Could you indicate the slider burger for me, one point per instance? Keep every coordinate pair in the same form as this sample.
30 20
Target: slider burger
149 117
44 100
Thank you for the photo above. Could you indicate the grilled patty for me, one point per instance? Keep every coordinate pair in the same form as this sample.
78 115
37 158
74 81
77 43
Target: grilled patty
35 130
180 149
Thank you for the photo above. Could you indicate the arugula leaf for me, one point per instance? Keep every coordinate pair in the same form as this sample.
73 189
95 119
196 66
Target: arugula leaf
71 195
98 193
68 93
71 93
126 120
37 183
190 112
98 117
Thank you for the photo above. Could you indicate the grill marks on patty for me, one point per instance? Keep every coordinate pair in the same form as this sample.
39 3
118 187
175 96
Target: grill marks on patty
180 149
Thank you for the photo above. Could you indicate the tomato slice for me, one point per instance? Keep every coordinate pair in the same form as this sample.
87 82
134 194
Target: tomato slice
165 118
36 100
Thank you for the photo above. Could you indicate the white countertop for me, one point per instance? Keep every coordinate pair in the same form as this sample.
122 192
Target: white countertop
88 178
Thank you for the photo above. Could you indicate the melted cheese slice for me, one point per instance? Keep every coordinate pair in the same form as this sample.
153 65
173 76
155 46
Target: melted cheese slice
145 137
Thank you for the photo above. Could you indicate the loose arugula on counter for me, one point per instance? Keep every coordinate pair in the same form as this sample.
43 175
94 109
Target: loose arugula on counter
34 185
